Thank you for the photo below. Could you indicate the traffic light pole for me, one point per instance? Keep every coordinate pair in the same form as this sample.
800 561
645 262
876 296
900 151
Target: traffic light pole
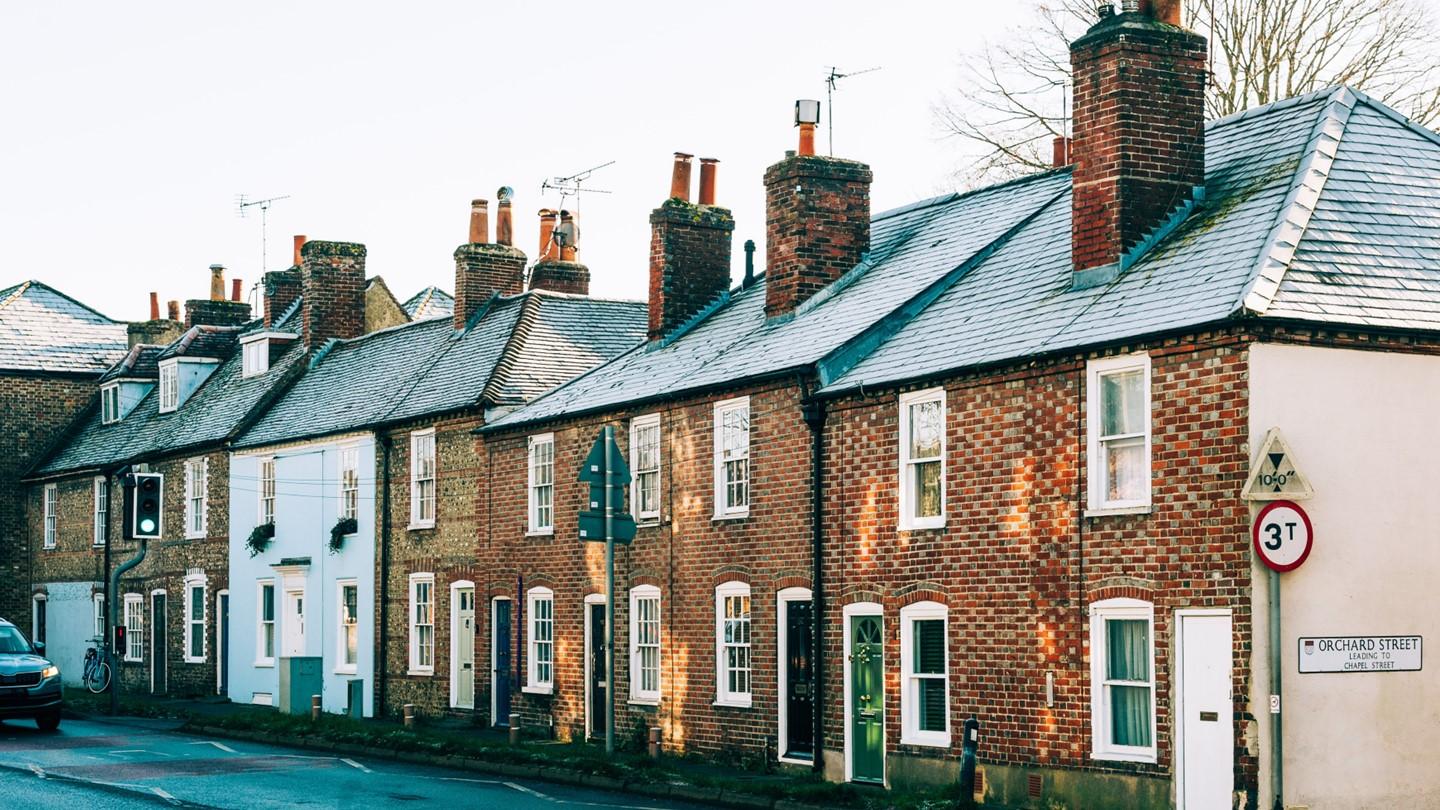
128 531
609 596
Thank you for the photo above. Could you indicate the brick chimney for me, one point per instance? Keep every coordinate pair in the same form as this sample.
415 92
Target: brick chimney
154 332
215 310
1139 132
689 249
557 270
332 286
817 225
483 269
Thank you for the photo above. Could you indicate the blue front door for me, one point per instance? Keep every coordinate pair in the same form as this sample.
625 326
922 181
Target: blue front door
500 678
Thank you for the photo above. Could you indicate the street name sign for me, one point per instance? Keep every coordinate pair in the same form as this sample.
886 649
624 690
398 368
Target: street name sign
1283 536
1361 653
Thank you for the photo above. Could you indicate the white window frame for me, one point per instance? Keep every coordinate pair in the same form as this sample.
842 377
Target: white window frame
101 490
110 403
1101 747
423 441
417 667
638 694
134 618
1095 444
265 478
343 627
907 480
192 582
262 624
637 425
349 477
50 502
169 385
910 733
533 683
97 601
196 524
535 524
723 509
255 357
723 695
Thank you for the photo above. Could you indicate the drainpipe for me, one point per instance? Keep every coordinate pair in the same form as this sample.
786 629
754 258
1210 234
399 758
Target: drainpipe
114 587
1277 739
814 413
385 444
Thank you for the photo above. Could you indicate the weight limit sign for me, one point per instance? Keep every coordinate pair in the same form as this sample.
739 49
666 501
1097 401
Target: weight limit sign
1283 536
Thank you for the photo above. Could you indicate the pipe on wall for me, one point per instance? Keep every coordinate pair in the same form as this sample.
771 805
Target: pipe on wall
814 413
384 668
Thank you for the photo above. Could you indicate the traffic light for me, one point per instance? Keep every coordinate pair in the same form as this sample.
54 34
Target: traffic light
146 521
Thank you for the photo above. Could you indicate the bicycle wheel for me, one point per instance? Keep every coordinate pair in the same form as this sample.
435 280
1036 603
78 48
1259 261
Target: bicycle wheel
99 678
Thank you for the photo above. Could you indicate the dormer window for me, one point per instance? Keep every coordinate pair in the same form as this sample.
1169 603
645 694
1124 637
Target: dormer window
169 386
255 358
110 403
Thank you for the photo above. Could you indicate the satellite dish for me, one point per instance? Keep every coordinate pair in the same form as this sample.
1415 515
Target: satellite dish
505 194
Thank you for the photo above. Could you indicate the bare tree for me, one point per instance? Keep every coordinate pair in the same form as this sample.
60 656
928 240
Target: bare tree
1013 98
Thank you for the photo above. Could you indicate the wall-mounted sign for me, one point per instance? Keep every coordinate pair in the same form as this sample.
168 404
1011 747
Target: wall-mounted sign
1361 654
1283 536
1274 475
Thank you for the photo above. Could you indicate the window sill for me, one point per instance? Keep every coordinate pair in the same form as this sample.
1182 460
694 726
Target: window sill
1122 756
647 522
190 660
550 532
538 690
133 660
268 663
734 703
644 701
731 515
922 525
419 527
345 671
1106 511
793 759
189 536
931 740
423 673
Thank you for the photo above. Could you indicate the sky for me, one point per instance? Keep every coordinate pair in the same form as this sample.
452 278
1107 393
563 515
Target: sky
129 128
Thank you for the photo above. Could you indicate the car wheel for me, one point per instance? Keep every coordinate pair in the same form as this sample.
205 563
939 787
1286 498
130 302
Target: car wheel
48 722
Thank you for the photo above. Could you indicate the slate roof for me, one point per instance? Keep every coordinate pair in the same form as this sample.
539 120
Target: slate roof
431 302
141 362
42 329
209 417
516 348
214 342
1323 207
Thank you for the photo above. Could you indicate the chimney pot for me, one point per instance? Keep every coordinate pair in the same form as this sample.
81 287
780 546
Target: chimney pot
807 138
217 282
749 263
299 243
154 306
548 249
504 232
567 236
680 177
235 289
1166 11
707 180
1061 154
172 310
479 222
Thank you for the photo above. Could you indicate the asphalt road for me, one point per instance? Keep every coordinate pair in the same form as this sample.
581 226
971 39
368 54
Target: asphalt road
94 764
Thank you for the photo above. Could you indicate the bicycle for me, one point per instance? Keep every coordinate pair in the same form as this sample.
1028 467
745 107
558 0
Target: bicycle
97 671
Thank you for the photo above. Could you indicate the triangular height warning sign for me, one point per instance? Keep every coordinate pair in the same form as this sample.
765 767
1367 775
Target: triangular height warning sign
1274 474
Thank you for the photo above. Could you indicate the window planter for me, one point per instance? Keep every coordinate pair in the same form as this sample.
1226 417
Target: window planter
260 538
343 528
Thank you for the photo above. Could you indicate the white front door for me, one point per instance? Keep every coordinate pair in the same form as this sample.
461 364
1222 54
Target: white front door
294 623
463 660
1205 719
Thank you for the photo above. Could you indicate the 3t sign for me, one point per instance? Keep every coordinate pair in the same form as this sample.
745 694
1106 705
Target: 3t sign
1283 535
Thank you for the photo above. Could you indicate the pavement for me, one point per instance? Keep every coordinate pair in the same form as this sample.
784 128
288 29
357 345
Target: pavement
134 762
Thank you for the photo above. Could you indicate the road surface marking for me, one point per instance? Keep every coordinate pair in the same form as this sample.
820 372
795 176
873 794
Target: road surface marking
221 746
128 751
352 763
37 770
166 796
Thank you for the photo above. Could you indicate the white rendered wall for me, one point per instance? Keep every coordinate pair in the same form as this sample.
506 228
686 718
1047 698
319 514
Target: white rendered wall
1364 426
69 627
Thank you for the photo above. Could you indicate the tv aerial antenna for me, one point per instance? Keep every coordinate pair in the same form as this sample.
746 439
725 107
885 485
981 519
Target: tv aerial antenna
831 79
571 186
243 204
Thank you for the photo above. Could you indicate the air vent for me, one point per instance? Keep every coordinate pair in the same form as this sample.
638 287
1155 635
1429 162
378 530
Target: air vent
1034 783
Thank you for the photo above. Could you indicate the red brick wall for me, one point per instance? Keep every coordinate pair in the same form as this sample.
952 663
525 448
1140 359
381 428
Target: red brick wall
689 261
332 281
560 276
1139 96
37 410
482 270
817 225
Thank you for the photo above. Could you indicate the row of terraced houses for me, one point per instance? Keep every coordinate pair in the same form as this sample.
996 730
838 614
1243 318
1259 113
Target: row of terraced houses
981 456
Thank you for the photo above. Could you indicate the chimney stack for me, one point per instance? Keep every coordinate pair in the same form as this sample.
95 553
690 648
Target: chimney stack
817 224
217 282
689 250
479 222
216 310
154 332
282 287
172 311
680 177
1139 132
332 289
299 243
557 270
481 269
154 306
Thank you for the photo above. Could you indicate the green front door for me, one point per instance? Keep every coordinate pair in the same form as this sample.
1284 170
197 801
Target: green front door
867 700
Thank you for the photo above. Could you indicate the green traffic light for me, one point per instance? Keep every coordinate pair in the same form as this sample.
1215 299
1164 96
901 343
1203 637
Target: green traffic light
147 526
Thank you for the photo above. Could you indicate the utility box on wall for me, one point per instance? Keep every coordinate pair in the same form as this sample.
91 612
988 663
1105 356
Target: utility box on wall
355 704
300 678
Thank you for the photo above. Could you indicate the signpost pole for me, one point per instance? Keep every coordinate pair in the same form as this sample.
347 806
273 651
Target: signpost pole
609 438
1277 760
